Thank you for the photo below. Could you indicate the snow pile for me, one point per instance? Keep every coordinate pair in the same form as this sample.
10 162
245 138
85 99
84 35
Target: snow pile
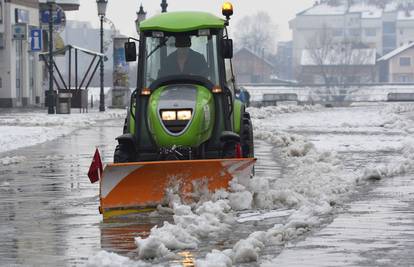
292 144
27 129
79 120
208 220
216 259
11 160
266 112
109 259
399 166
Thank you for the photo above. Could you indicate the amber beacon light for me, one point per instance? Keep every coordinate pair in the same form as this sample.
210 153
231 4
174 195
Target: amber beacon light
227 10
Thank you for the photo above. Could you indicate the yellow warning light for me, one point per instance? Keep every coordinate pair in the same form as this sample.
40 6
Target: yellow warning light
227 9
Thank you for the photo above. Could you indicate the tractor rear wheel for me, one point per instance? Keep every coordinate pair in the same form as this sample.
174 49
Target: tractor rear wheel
124 153
246 135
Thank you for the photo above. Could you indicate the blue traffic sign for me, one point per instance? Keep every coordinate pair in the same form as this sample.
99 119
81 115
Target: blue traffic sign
36 40
58 17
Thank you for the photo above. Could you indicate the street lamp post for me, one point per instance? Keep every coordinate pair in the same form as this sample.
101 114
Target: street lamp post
164 6
101 13
50 100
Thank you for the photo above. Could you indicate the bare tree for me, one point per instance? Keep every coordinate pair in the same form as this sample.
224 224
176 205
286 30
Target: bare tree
338 62
319 47
258 33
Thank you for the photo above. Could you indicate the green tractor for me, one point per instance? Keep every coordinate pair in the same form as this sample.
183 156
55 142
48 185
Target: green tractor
184 122
184 106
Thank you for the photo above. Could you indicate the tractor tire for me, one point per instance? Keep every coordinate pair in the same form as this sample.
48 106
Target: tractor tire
123 154
246 135
125 129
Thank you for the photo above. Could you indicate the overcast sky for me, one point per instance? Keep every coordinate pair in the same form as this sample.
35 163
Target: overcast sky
123 12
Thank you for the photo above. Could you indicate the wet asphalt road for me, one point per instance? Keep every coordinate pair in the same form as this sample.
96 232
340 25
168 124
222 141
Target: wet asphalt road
49 210
49 213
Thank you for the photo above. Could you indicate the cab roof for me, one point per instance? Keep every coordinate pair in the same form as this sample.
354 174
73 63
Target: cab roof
182 22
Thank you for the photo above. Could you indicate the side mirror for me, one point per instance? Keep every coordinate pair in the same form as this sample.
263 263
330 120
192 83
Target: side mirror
130 51
227 48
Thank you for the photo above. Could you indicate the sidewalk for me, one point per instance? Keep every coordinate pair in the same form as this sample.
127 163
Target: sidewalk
21 128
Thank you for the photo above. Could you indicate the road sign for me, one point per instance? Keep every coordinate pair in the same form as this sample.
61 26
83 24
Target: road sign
36 40
58 16
59 19
19 31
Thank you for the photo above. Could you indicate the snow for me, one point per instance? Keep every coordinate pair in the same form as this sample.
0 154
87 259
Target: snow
11 160
395 52
325 9
402 15
19 130
367 11
109 259
317 181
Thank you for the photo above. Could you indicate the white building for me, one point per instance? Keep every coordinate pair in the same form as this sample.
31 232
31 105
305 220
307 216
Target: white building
20 70
383 28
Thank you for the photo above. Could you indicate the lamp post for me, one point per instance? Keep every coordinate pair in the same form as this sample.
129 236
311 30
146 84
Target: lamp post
141 16
164 6
50 100
101 13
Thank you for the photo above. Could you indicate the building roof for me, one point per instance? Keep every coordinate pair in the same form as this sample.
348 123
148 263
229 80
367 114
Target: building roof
255 55
395 52
181 22
367 11
336 57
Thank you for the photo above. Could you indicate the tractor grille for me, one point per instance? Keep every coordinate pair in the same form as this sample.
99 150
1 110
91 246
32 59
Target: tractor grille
176 126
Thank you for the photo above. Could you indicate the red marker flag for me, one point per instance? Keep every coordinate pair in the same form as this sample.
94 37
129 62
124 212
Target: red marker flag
96 168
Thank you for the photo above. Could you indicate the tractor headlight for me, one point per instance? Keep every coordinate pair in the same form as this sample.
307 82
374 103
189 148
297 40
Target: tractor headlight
184 115
168 115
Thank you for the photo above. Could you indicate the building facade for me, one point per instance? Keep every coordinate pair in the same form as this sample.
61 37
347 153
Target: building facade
251 68
20 69
398 65
381 27
21 73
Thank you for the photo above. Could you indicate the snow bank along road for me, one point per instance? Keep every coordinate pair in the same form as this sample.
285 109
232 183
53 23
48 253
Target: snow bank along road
313 164
34 127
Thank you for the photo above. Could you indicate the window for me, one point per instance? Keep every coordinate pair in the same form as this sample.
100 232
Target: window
371 32
165 54
388 27
405 61
389 41
1 40
338 32
354 32
404 79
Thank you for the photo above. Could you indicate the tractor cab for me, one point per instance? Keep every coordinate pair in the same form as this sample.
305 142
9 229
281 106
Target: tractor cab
185 98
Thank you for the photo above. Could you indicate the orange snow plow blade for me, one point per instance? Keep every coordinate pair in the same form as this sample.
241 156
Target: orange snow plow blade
127 188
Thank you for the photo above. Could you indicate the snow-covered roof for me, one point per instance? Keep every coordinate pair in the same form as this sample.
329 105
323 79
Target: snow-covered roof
337 57
325 9
404 15
368 11
395 52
